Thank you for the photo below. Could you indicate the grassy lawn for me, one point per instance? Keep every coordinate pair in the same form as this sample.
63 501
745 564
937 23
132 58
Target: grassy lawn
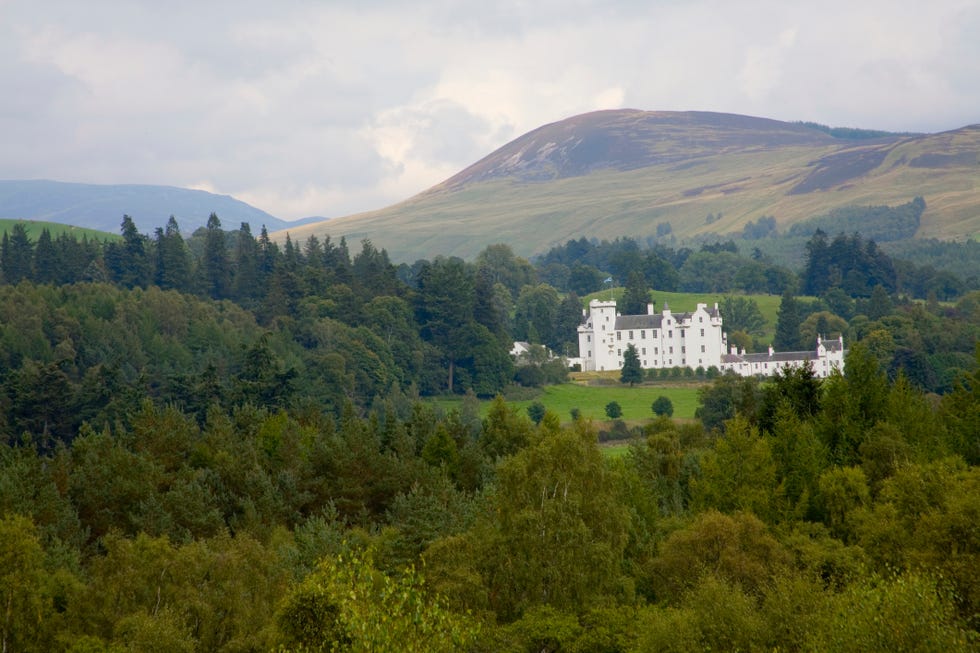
591 400
635 402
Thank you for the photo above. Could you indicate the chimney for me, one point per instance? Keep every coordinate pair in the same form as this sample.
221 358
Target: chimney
650 308
770 351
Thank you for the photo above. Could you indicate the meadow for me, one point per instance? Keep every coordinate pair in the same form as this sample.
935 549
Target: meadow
591 400
33 229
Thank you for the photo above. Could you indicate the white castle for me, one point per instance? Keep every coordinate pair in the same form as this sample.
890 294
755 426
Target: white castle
689 340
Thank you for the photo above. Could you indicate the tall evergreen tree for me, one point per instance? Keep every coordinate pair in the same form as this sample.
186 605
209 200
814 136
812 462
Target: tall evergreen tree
636 295
632 371
269 256
127 262
46 261
172 262
217 276
444 308
568 319
788 323
16 255
248 286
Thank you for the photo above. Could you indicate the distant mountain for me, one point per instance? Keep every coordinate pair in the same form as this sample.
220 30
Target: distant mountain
639 173
103 206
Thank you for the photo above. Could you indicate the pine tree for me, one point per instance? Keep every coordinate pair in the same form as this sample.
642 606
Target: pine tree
247 274
632 372
16 255
788 323
127 262
217 277
173 265
636 295
46 262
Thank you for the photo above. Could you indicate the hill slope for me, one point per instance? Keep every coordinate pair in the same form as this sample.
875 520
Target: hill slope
623 173
102 207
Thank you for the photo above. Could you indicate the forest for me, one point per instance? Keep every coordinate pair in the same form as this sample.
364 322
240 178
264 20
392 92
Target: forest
220 444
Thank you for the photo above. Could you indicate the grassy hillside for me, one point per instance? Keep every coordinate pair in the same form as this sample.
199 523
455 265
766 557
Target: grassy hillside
691 169
35 227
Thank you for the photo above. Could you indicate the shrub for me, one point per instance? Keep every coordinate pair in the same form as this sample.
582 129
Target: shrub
614 410
663 406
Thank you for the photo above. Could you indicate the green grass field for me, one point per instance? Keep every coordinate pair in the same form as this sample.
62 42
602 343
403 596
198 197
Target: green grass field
591 400
35 227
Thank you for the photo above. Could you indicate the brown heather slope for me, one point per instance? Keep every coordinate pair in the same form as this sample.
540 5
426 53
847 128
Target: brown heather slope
621 173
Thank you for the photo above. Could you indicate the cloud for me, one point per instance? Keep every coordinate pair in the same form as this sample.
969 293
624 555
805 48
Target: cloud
332 108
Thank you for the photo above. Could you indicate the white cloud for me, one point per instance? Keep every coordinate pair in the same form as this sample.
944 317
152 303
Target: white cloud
309 108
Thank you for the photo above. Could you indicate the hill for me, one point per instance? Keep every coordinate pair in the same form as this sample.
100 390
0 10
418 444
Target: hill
632 173
101 207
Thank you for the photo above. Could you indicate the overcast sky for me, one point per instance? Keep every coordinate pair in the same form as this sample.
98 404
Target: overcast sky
330 108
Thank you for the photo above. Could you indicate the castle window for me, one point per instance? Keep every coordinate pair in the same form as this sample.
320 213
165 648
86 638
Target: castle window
702 333
619 352
631 335
683 350
644 352
700 319
619 336
702 349
643 334
671 350
588 338
656 351
670 334
654 333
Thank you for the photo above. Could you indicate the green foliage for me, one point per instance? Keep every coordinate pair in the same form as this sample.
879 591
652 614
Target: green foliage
632 371
173 469
727 396
347 604
536 411
636 295
879 223
662 406
613 410
911 612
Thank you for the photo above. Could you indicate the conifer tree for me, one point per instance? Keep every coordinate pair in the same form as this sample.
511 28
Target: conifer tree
173 265
46 262
636 295
788 323
16 255
217 277
247 273
632 372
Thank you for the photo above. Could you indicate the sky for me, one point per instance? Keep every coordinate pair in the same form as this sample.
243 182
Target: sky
334 107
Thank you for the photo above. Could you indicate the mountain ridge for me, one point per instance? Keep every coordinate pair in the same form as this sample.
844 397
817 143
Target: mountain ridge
628 172
102 206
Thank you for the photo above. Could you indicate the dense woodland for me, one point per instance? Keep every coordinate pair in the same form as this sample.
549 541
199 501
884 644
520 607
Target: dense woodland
220 444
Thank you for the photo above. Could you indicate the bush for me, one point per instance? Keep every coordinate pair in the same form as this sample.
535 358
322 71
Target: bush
663 406
536 412
614 410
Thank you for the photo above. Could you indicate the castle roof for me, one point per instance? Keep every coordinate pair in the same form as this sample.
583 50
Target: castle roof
638 322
